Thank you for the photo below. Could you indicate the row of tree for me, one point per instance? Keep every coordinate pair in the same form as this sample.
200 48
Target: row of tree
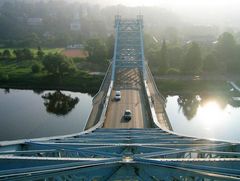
21 54
221 57
54 63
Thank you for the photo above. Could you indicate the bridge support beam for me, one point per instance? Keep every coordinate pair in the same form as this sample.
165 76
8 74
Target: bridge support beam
129 46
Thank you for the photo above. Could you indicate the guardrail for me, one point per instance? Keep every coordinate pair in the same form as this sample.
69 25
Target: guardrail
152 109
105 106
160 97
102 98
154 83
104 80
103 114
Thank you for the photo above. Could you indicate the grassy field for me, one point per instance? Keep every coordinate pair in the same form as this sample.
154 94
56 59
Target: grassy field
18 74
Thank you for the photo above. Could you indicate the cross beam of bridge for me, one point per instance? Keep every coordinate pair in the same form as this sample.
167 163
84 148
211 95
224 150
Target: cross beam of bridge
121 154
129 49
100 154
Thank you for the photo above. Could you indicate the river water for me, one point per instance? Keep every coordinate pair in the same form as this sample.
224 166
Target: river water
32 114
206 116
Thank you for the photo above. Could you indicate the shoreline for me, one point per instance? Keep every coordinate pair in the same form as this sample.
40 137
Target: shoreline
43 88
81 84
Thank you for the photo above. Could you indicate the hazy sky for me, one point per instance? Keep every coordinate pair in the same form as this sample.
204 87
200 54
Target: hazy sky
173 3
220 12
184 6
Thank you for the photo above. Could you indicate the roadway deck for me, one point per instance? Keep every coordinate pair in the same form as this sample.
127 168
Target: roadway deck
129 83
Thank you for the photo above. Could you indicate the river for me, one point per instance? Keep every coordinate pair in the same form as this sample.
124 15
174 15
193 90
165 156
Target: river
206 116
33 114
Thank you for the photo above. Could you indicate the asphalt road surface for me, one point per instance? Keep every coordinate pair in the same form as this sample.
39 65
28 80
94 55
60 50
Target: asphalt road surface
132 98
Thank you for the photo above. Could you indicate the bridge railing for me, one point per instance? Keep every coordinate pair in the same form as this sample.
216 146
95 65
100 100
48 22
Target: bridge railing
99 100
154 99
105 79
100 119
154 83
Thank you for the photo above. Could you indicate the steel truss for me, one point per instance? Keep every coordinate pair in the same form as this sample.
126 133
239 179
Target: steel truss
122 154
129 50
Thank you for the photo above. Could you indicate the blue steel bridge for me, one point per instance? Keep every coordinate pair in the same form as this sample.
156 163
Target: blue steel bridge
144 148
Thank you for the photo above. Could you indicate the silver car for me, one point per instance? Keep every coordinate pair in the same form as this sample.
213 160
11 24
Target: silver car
117 95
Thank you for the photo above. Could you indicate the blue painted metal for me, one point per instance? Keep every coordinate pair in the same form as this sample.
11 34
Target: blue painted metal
129 47
121 154
117 22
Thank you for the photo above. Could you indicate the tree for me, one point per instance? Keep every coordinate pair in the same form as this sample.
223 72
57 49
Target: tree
24 54
40 53
226 49
175 55
66 66
153 58
18 54
192 61
6 54
58 64
28 54
3 77
97 50
189 105
110 46
36 67
163 58
210 63
226 46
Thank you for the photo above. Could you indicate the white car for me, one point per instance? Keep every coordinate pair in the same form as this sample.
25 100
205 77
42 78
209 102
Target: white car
117 95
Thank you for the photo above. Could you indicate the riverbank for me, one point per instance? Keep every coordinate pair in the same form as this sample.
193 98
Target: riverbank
192 86
20 75
78 82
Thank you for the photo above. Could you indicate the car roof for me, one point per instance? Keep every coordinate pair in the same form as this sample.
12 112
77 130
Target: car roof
128 110
118 92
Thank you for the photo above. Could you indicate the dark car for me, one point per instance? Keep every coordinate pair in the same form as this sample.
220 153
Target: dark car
127 114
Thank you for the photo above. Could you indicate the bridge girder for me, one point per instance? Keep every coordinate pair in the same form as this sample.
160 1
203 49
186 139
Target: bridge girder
128 51
115 154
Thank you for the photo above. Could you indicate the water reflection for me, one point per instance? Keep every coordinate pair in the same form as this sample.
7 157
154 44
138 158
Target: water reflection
6 90
189 105
59 103
205 115
38 91
221 100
